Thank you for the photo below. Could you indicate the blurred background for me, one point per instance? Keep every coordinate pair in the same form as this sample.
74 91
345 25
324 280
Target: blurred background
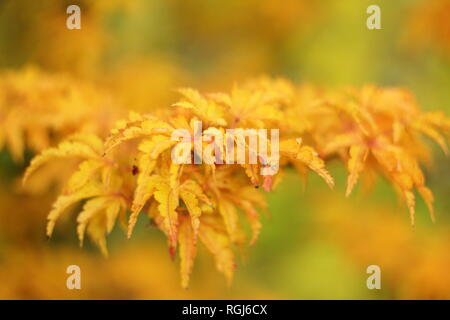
316 244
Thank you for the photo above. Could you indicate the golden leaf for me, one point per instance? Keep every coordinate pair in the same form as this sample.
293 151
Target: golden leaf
358 155
214 237
136 128
168 202
192 204
96 231
310 157
90 209
187 250
230 217
64 201
205 109
85 171
64 149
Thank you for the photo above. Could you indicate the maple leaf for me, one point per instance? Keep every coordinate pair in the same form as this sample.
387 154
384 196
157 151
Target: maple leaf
250 108
187 249
191 193
95 181
379 128
296 152
91 209
70 148
214 237
230 217
146 183
38 109
168 203
137 126
358 155
205 109
373 131
64 201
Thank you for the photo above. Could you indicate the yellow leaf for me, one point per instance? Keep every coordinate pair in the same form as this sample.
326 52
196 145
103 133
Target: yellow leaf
144 189
341 141
411 203
388 156
91 140
134 129
310 157
85 171
252 170
205 109
112 212
358 155
193 187
403 180
90 209
168 202
432 134
187 250
64 149
253 218
398 129
230 217
250 106
156 145
191 202
217 242
64 201
175 172
96 231
293 150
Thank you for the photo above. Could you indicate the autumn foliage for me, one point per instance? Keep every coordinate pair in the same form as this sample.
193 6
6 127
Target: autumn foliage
118 176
